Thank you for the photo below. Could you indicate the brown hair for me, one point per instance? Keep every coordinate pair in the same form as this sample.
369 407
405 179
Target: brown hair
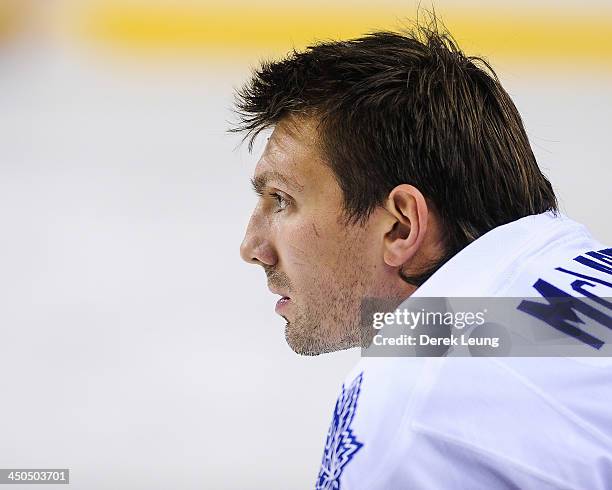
408 107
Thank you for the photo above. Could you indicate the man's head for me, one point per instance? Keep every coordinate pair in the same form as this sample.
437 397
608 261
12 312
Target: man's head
390 153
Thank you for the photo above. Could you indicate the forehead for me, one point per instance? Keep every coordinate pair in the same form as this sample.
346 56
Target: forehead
292 152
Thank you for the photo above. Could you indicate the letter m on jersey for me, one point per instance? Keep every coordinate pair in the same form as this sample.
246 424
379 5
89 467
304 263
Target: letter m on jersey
560 310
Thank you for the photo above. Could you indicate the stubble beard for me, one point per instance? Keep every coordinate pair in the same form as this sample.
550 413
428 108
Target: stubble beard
330 320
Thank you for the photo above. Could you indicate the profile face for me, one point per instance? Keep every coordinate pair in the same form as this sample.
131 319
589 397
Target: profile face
320 267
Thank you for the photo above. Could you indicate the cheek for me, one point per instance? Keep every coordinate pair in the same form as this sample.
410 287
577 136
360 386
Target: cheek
306 247
303 241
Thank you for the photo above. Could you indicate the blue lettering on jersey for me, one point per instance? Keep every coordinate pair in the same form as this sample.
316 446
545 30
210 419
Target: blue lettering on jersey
562 307
341 444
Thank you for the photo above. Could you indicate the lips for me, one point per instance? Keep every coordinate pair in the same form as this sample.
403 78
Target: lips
282 304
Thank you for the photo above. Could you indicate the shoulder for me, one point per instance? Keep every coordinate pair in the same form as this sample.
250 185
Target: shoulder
483 423
555 260
499 420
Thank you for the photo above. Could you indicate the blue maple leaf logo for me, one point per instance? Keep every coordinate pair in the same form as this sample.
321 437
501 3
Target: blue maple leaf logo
341 445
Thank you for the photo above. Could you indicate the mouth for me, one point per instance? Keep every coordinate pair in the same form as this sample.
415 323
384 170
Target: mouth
282 304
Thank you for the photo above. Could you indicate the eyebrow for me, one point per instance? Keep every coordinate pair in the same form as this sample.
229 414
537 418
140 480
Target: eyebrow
263 179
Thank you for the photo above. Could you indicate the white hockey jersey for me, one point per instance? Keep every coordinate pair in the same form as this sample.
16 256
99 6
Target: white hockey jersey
488 422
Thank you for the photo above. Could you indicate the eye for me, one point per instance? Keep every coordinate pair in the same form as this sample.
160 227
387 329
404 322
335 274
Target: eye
281 201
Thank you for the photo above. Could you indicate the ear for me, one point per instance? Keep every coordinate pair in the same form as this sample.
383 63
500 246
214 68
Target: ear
409 209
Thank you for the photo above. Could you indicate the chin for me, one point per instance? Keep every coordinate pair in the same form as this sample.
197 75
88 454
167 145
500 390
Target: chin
310 345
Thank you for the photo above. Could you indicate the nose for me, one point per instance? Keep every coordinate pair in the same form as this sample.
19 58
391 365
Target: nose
256 247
